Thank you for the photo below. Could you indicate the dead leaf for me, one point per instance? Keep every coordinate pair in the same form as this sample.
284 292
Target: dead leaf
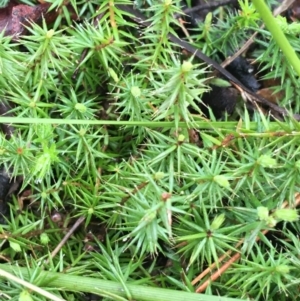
15 17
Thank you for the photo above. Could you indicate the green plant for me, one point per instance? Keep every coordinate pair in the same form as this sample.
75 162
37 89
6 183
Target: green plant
277 34
108 129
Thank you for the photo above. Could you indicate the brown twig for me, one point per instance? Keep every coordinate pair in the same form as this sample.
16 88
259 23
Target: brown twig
134 191
185 31
67 236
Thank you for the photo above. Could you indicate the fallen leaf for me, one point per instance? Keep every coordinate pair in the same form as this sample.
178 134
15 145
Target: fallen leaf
15 17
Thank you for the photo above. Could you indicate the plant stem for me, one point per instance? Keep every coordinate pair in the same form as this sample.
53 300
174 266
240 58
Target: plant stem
29 285
277 34
92 285
230 125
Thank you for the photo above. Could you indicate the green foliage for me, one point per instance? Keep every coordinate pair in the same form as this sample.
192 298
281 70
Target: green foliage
3 3
274 268
168 200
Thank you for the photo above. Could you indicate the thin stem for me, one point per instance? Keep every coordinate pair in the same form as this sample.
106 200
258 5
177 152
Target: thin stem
280 9
277 34
66 237
229 125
